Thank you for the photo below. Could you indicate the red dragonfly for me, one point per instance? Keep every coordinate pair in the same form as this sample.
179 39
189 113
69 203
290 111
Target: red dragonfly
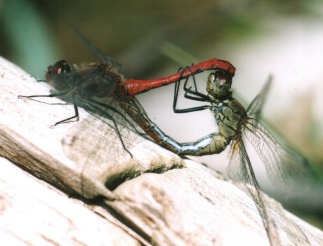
90 82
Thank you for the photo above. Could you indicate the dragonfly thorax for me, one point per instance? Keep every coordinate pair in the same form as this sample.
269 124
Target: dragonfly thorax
89 80
229 115
97 80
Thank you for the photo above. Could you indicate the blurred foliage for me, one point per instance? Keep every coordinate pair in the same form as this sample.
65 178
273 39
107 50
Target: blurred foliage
131 31
26 38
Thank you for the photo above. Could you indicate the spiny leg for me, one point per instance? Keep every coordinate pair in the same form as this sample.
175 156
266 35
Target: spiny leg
58 94
76 115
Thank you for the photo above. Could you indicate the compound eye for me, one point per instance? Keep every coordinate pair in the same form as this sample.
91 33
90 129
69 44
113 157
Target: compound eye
222 81
225 79
65 66
212 77
59 68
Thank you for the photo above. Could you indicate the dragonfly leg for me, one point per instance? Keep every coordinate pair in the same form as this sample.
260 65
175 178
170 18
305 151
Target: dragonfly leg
50 95
75 116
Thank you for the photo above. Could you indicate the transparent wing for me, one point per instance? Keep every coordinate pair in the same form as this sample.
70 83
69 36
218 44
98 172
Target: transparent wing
273 216
255 107
106 59
240 171
285 167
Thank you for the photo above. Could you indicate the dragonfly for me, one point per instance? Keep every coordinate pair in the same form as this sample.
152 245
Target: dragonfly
285 167
90 83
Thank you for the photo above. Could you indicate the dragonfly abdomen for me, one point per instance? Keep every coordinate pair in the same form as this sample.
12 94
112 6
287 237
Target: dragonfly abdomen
210 144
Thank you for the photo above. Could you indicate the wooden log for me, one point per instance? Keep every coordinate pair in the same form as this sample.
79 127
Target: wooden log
34 213
193 207
183 204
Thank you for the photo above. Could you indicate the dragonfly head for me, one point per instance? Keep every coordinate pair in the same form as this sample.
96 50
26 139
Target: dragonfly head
55 75
219 84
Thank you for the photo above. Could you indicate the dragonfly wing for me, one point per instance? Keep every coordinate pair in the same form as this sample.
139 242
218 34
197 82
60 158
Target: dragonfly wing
285 167
255 107
240 170
273 217
106 59
237 168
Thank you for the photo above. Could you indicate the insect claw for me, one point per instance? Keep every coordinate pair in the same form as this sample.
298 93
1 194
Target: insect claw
52 126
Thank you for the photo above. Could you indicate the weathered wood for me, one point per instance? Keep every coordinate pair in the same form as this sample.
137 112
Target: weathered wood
34 213
186 206
193 207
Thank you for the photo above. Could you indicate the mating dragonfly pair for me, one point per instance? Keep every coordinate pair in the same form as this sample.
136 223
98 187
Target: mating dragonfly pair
285 167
